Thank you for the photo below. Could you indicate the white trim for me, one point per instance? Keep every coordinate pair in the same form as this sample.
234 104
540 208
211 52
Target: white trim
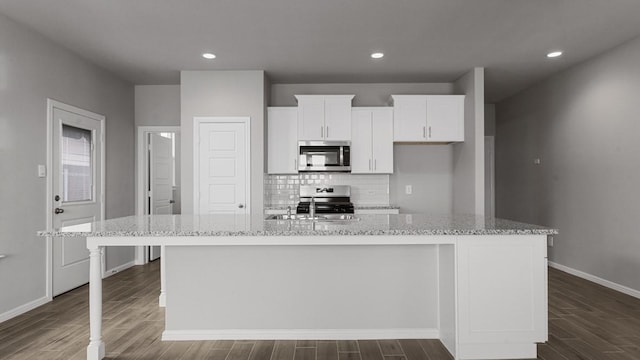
300 334
24 308
141 252
118 269
51 104
197 121
598 280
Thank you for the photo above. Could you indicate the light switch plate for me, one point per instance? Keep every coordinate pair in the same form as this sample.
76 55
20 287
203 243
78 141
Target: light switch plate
42 171
408 189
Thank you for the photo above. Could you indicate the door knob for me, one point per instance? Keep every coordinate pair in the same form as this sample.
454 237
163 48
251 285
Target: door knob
240 206
58 211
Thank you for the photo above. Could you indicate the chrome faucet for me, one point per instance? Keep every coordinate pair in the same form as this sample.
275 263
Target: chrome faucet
288 212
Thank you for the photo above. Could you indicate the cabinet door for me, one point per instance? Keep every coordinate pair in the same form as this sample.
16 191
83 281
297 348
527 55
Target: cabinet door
282 140
502 292
382 135
445 118
310 117
337 117
361 159
409 117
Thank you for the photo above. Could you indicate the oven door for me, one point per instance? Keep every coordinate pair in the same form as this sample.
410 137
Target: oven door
324 156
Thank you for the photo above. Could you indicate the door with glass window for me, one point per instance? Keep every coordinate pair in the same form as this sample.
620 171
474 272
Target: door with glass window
77 153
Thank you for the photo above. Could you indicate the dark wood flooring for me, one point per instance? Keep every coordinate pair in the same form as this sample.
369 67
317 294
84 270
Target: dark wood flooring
586 322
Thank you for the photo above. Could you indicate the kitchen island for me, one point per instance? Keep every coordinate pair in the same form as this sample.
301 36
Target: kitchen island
478 284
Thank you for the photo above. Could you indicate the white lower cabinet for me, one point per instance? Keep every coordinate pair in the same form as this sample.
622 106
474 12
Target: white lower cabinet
372 140
502 296
282 140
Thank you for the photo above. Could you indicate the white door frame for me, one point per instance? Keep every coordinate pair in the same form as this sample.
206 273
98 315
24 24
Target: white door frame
53 104
197 121
142 166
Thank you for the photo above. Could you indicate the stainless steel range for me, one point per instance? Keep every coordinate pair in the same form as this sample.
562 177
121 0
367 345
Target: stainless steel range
325 200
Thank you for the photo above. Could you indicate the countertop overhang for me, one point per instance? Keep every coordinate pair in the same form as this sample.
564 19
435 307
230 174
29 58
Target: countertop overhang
245 226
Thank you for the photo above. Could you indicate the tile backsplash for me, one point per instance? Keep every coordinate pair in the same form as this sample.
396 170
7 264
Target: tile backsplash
284 190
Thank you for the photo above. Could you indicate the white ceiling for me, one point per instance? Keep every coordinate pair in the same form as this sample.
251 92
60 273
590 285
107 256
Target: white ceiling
309 41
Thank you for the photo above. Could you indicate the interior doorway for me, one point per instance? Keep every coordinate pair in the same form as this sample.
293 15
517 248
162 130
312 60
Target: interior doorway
158 178
489 176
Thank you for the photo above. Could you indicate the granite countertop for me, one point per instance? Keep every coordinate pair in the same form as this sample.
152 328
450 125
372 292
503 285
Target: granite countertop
364 207
375 207
230 225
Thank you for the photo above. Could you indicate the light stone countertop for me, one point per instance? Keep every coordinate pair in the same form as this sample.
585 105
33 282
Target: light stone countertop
357 207
230 225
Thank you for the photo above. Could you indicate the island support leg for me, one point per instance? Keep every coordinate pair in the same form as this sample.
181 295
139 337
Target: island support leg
162 300
95 350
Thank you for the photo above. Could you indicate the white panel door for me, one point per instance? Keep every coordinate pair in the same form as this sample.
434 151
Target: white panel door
282 140
361 147
77 152
409 118
161 178
311 118
445 118
223 161
337 117
382 137
161 170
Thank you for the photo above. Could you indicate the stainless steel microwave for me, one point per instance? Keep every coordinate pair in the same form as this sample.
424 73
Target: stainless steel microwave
325 156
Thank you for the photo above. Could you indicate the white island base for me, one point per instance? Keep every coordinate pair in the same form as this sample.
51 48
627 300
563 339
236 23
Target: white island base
483 296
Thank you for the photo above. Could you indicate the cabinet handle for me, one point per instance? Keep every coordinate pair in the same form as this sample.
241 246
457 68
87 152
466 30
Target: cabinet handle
375 164
327 132
321 132
429 132
424 132
295 164
369 164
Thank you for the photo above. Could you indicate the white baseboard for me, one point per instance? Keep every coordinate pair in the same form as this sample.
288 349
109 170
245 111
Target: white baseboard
300 334
598 280
117 269
24 308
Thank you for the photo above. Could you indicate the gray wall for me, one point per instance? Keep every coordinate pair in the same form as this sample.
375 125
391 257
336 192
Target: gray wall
468 156
429 171
157 105
489 120
32 69
427 168
223 93
584 125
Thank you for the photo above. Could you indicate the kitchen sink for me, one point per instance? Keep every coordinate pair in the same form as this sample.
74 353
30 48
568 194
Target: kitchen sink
323 217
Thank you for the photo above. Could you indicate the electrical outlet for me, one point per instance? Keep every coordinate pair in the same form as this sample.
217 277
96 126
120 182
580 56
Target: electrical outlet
537 161
408 189
42 171
408 219
550 241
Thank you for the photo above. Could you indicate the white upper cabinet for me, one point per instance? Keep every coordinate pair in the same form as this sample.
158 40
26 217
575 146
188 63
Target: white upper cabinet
372 140
324 117
428 118
282 140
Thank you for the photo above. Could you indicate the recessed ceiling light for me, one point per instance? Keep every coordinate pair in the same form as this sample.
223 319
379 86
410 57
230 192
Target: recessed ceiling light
209 56
377 55
554 54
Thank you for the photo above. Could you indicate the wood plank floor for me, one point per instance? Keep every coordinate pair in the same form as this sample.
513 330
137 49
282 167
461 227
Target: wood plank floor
586 321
